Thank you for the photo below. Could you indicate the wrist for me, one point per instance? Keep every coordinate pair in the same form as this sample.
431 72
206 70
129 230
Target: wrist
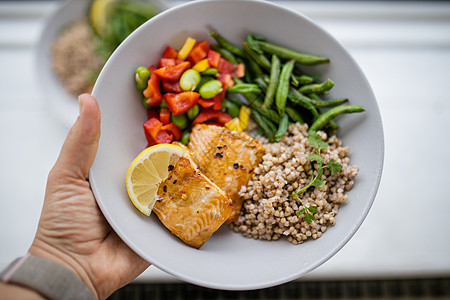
41 249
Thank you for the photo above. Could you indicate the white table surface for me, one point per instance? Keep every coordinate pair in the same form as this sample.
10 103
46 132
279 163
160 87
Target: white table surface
404 49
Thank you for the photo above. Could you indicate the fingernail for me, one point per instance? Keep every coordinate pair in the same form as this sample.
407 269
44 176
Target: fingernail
80 103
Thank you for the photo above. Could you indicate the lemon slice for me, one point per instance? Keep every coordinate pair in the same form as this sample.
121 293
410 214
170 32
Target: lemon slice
98 15
147 171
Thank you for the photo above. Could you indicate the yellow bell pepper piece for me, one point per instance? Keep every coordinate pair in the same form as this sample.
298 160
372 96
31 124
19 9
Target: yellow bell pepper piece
201 65
240 123
244 115
186 49
234 124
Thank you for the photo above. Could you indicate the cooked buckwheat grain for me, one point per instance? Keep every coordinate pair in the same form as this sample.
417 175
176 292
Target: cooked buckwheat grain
269 212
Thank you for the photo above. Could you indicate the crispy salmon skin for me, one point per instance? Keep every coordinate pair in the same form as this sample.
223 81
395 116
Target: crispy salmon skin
226 157
190 205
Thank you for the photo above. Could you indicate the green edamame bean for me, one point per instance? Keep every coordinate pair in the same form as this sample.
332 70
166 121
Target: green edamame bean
141 76
204 80
282 127
193 112
210 72
180 120
210 89
329 115
232 108
273 81
283 86
145 104
185 137
189 80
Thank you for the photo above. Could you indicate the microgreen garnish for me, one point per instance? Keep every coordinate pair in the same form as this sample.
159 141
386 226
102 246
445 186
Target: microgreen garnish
307 210
316 181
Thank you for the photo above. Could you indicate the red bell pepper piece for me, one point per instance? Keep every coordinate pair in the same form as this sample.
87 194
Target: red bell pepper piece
172 73
181 102
169 52
239 71
213 58
199 52
164 116
171 86
226 79
152 92
217 102
224 66
206 103
151 113
154 133
212 115
174 130
164 62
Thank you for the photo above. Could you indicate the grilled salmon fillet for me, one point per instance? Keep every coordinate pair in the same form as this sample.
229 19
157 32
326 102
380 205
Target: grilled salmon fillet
226 157
190 205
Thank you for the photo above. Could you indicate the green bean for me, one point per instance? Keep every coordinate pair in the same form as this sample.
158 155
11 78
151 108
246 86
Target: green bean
225 53
329 115
261 83
210 89
235 99
283 86
257 105
328 103
285 53
298 98
273 81
244 88
232 108
305 79
319 103
226 44
332 124
261 59
294 80
294 115
253 65
282 127
251 42
317 87
264 125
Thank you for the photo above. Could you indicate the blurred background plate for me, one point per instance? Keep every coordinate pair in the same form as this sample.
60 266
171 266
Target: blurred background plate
62 105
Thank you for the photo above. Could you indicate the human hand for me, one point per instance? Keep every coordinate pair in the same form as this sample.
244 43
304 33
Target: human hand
72 230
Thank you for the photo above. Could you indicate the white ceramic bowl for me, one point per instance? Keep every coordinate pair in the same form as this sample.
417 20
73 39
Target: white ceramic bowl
62 105
228 260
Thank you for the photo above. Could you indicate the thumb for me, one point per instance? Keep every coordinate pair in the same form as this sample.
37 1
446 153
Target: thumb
80 147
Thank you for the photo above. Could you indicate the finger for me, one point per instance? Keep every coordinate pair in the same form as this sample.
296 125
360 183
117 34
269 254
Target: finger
80 147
